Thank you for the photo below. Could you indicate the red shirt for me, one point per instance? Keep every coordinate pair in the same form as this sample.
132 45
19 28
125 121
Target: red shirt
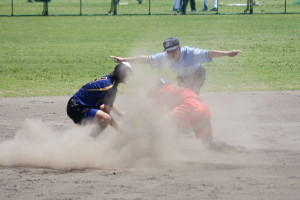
186 105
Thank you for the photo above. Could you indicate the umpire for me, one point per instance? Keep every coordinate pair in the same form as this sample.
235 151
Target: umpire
186 62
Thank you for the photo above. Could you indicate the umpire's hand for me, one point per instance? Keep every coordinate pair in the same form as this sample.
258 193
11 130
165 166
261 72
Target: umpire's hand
118 59
234 53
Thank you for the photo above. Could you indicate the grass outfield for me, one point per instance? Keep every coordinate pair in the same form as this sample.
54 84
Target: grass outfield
56 55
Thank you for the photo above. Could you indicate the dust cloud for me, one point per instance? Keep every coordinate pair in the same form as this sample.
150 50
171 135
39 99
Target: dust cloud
147 137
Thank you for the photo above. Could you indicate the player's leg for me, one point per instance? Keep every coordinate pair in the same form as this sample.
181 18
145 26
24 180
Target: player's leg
251 6
247 7
99 116
215 5
203 131
111 7
180 116
187 116
193 5
182 81
200 118
194 81
189 82
197 80
205 5
115 4
177 5
184 5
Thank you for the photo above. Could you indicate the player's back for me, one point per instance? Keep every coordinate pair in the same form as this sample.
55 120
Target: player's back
97 92
182 93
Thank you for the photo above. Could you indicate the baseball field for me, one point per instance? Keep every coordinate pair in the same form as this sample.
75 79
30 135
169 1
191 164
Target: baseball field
55 55
254 99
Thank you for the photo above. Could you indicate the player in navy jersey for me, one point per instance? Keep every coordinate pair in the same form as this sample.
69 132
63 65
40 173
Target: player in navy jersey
95 100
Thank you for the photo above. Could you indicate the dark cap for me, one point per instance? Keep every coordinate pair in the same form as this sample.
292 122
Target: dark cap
171 44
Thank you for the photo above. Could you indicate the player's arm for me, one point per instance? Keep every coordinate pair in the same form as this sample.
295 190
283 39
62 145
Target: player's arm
216 53
138 59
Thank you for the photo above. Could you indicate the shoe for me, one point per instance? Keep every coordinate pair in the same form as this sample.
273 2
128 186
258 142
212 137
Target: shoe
204 9
214 9
194 10
219 146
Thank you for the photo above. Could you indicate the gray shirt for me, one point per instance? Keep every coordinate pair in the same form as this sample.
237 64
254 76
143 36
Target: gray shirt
191 60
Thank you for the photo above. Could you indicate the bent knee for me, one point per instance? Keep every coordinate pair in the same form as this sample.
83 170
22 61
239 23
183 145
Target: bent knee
103 118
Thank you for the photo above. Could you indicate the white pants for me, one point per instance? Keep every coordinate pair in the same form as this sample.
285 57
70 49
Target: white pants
215 3
177 5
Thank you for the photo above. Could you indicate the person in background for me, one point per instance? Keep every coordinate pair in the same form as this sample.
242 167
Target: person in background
215 6
177 4
185 3
113 7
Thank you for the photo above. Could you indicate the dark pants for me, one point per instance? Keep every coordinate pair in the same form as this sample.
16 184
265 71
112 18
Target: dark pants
194 81
185 3
76 112
113 7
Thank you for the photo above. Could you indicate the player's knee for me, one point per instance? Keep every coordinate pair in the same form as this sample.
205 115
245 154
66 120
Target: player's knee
103 118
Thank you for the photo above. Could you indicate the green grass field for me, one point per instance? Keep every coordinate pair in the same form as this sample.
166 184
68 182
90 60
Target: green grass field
56 55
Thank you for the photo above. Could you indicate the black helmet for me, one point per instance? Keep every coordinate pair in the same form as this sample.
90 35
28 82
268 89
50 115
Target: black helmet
121 72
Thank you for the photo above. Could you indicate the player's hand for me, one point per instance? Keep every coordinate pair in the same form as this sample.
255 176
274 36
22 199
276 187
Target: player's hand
106 108
118 59
233 53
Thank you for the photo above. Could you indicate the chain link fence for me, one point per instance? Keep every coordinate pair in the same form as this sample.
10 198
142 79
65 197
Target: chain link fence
143 7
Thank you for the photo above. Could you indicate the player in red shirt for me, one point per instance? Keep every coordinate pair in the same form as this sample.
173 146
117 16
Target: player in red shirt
188 110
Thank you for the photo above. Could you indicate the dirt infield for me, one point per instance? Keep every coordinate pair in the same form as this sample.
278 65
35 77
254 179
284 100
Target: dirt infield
266 164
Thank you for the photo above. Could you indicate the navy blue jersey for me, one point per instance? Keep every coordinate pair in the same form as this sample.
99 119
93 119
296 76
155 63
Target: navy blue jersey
96 93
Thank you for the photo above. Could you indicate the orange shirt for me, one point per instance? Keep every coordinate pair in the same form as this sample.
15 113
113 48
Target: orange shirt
187 106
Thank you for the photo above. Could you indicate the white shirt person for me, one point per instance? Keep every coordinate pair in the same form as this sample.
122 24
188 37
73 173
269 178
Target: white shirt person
186 62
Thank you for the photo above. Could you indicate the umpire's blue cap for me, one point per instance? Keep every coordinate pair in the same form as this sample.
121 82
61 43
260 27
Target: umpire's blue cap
171 44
